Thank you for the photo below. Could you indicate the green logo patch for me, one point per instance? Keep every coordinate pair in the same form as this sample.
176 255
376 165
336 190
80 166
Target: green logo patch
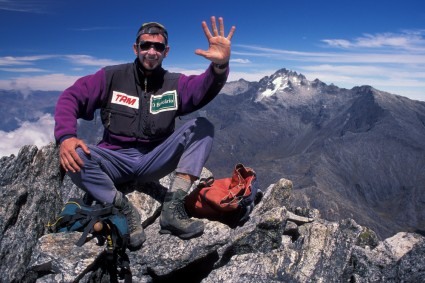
164 102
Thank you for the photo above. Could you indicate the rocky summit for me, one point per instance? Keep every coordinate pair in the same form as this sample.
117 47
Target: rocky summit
279 243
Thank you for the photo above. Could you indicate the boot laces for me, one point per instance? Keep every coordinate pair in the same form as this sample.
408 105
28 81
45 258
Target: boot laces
131 217
178 207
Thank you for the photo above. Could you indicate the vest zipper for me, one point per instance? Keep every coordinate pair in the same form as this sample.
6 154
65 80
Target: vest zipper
144 107
109 120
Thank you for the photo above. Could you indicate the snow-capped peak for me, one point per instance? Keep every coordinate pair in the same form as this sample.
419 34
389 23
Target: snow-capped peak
279 83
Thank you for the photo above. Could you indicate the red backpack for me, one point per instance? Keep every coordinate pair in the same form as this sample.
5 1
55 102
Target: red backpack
228 200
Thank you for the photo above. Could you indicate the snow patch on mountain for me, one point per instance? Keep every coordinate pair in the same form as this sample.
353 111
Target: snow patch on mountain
282 82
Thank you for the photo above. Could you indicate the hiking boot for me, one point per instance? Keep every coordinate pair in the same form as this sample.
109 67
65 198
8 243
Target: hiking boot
137 235
174 219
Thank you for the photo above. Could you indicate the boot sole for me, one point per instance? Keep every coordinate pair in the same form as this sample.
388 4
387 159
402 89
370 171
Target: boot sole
142 238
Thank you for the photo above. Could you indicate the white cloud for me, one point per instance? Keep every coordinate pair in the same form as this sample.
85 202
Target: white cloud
45 82
22 6
410 83
55 81
387 48
338 43
186 71
74 59
333 57
38 133
414 76
87 60
22 70
240 61
407 40
23 60
251 76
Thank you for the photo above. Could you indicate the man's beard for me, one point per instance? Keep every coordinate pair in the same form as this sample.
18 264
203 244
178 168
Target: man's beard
150 63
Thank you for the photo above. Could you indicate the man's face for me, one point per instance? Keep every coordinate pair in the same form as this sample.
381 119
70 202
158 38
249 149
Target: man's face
151 50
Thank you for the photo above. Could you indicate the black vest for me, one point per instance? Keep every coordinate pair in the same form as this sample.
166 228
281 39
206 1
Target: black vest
138 106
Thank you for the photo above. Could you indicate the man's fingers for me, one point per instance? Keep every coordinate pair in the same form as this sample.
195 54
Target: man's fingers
201 52
219 44
215 31
231 32
206 30
64 166
75 161
69 162
84 147
214 26
221 26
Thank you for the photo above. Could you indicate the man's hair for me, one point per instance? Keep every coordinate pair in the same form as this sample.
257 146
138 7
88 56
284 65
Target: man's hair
152 28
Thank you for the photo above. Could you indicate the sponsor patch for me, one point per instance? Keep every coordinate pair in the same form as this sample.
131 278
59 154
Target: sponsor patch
163 102
125 99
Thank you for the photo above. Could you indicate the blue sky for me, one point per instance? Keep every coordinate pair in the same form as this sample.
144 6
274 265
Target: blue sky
48 44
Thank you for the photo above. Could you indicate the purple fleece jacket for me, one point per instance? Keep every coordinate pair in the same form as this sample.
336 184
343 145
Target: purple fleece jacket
90 93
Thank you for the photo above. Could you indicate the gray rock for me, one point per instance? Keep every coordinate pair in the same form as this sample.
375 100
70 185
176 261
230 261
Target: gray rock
57 254
396 259
279 243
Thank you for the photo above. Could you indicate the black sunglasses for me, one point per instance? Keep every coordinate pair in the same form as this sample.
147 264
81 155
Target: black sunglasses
146 45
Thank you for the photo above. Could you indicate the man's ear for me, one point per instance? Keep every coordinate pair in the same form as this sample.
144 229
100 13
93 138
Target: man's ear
136 49
167 49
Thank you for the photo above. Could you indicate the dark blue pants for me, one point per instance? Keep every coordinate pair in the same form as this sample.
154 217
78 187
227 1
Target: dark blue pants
185 151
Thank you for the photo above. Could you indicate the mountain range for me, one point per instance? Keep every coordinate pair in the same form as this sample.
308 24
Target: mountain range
17 107
356 152
351 153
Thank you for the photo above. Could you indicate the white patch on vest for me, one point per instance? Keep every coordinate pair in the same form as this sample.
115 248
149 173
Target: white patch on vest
163 102
125 99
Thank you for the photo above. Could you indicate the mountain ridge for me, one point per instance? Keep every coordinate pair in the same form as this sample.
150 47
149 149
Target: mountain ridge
360 148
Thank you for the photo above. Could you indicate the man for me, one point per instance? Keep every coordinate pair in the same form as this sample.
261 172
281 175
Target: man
139 102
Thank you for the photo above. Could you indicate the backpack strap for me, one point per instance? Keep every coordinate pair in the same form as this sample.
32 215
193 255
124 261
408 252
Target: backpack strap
116 257
205 182
92 215
88 229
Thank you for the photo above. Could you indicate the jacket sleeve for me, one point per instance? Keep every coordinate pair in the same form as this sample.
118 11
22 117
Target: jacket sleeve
196 91
78 101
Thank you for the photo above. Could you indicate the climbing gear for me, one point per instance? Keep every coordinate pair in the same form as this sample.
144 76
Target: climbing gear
80 216
106 222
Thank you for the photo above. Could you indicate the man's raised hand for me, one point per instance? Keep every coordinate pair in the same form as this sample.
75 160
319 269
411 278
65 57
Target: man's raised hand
219 45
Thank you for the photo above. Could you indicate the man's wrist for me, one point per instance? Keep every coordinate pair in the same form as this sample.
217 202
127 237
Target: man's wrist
221 66
65 137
